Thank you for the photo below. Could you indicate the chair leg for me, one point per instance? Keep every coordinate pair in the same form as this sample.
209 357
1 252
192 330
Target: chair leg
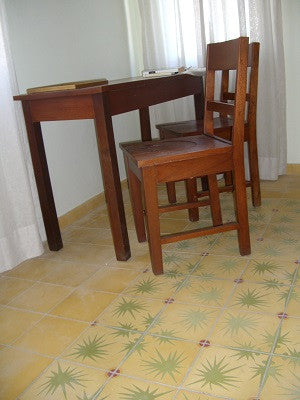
254 171
192 195
136 203
214 197
171 192
204 183
152 219
228 178
241 209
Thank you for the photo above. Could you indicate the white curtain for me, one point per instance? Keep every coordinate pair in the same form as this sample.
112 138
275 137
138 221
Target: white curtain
176 32
19 234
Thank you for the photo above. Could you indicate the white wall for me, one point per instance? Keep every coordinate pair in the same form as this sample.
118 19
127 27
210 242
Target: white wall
291 35
65 40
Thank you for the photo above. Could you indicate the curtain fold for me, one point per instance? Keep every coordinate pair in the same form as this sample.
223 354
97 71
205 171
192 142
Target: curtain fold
176 32
19 233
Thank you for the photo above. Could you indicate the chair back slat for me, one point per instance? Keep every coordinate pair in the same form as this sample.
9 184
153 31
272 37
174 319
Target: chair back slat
220 107
225 56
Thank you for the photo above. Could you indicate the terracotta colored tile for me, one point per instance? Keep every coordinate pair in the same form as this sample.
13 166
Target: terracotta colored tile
83 304
63 380
17 370
40 297
14 322
111 279
51 335
11 287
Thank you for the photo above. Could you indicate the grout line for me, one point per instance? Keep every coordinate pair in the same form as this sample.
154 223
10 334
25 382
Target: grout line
210 332
265 377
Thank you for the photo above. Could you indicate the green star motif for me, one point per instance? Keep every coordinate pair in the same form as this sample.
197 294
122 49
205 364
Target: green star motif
217 373
91 348
265 371
236 323
137 393
128 307
193 319
261 268
62 379
146 286
161 366
251 298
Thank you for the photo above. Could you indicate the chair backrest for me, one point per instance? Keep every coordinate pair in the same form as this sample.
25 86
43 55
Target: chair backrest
226 56
251 95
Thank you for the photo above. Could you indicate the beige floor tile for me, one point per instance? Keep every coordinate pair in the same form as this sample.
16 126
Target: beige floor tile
33 269
255 298
222 267
69 273
77 234
293 301
11 287
191 322
83 253
101 347
83 304
111 279
248 331
185 395
205 291
148 285
272 273
17 370
14 322
63 380
40 297
287 341
282 380
50 336
131 313
162 361
121 387
229 373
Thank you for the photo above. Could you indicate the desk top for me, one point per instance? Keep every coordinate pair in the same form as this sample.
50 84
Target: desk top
115 85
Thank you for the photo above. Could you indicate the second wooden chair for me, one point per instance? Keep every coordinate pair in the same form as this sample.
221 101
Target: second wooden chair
223 128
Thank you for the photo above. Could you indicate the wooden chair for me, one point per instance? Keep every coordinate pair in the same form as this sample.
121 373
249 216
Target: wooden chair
150 163
223 128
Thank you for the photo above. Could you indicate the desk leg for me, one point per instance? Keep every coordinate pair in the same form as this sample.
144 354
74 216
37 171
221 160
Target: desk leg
42 177
145 124
111 177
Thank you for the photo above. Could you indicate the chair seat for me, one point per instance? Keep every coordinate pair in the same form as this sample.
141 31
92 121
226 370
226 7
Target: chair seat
156 152
222 127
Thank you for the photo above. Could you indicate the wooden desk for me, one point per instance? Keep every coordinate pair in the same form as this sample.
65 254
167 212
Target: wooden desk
100 103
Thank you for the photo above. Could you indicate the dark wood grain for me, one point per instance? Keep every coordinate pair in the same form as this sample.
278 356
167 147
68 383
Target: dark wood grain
42 177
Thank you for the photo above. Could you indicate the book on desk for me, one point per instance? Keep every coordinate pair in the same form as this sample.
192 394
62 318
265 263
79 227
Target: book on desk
68 86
